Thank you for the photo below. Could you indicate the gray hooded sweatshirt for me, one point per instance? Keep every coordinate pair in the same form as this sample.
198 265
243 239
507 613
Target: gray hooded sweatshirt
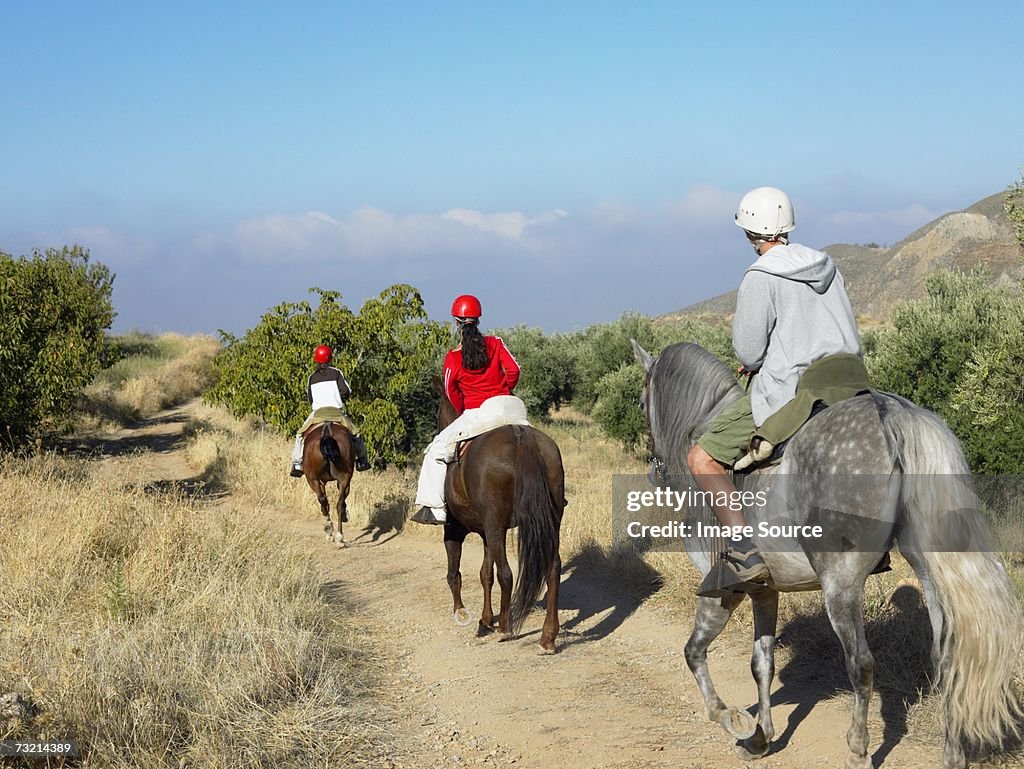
792 309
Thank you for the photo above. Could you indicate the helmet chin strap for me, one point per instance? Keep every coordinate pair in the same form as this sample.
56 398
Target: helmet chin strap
757 242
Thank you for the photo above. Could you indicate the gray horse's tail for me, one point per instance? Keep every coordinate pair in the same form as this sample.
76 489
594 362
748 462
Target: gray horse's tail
982 622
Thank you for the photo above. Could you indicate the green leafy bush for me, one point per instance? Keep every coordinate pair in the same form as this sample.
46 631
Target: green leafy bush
386 351
617 408
959 353
55 307
549 368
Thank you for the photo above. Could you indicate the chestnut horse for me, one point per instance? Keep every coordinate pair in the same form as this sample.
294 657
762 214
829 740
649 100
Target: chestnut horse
325 460
509 477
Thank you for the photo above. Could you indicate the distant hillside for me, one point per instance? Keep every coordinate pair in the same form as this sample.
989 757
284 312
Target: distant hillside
880 278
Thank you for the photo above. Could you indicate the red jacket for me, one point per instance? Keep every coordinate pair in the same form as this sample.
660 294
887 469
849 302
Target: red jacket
469 389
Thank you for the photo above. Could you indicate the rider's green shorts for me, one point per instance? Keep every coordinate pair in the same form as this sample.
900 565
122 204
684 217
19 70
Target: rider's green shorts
730 432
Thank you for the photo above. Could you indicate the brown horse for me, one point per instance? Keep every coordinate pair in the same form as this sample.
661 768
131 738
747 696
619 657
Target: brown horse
508 477
327 459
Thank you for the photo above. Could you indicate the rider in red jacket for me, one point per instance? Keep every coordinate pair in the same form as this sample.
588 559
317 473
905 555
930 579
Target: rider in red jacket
479 377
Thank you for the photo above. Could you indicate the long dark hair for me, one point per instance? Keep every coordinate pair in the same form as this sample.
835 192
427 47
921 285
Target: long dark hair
474 350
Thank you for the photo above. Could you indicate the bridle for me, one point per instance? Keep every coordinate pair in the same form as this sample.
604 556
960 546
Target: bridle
659 467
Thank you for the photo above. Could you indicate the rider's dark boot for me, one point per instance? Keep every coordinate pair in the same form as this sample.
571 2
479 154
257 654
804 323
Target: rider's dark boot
360 446
425 515
741 569
296 471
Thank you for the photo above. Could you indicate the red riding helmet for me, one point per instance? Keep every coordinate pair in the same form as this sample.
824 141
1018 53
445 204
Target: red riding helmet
466 306
322 354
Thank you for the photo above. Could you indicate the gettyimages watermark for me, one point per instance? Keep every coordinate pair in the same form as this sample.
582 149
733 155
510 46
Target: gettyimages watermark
835 513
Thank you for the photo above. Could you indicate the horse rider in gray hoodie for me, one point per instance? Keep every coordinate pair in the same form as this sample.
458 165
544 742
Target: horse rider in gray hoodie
791 310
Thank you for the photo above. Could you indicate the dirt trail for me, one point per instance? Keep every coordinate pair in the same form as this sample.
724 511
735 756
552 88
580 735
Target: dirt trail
617 693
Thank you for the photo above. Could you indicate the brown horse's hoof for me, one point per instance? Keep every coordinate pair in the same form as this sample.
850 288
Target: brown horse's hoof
461 617
545 650
483 629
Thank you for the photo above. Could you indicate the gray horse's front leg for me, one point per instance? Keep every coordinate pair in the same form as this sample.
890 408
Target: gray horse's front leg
711 619
844 604
762 666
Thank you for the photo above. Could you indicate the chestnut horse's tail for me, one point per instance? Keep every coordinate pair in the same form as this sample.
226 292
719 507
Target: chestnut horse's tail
330 451
538 514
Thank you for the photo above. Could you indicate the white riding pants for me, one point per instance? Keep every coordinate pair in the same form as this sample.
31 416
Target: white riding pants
495 412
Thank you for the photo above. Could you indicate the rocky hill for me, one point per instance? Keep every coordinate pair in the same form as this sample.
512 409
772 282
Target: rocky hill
880 278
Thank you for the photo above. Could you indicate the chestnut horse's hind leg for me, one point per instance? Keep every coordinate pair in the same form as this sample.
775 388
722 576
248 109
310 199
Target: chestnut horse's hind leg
487 581
550 631
339 536
325 506
454 536
496 548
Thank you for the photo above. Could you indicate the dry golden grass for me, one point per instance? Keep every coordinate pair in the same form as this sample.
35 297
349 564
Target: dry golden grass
169 370
159 632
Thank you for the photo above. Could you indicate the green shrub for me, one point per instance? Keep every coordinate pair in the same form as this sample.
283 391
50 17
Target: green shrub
617 409
54 309
549 368
604 349
386 352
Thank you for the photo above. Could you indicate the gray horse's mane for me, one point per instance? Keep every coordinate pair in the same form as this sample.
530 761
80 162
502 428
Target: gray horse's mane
689 386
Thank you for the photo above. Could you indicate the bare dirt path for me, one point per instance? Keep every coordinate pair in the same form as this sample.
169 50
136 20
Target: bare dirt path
617 694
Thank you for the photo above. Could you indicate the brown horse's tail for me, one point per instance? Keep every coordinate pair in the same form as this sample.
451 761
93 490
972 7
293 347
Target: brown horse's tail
330 451
538 514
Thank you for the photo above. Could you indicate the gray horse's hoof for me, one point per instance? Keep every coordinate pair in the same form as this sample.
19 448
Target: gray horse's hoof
755 747
738 723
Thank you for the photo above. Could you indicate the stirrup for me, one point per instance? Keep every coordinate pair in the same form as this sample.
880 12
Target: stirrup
425 515
725 578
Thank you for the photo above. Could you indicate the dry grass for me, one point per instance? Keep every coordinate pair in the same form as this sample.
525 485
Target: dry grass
162 633
159 372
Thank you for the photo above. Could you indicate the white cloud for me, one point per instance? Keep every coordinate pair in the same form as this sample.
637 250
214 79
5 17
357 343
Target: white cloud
111 247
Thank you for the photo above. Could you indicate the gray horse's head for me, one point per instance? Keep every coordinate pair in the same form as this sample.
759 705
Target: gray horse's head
684 389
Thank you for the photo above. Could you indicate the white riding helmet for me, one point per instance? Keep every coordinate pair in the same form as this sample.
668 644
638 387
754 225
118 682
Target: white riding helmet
766 211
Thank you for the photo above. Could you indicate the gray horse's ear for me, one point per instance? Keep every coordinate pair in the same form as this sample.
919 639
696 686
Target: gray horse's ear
643 357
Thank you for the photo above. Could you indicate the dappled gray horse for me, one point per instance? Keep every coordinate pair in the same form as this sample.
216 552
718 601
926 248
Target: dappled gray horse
871 471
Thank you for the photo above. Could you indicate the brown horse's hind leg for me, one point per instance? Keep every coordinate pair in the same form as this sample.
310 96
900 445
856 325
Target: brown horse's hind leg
454 536
339 536
325 506
496 547
487 581
550 631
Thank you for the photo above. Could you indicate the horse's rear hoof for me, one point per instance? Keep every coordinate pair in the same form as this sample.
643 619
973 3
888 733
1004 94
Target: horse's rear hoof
483 629
461 617
545 650
738 723
755 747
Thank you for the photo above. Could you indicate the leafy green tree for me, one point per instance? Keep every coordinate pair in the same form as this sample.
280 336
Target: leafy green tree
617 408
55 307
922 355
548 366
386 351
605 348
988 401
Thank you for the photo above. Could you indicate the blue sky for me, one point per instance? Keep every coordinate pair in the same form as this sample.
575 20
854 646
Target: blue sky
564 161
